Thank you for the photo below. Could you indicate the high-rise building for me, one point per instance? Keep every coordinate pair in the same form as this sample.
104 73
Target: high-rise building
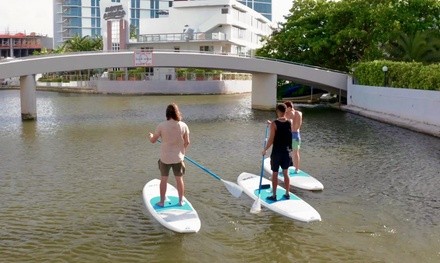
263 7
84 17
75 18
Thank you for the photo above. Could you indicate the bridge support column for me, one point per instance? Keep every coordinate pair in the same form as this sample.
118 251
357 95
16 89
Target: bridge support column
28 97
264 91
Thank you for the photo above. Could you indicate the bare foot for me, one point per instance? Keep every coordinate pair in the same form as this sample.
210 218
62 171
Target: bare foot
159 204
181 203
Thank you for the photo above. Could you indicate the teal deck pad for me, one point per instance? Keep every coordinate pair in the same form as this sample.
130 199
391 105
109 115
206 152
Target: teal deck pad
291 173
171 202
280 195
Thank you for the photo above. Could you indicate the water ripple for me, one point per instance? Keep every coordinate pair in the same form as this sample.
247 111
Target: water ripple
71 184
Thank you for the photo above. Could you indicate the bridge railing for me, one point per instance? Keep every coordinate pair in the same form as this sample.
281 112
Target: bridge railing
150 38
189 76
158 51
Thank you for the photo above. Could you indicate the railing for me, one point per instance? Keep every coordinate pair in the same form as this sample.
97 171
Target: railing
180 37
143 76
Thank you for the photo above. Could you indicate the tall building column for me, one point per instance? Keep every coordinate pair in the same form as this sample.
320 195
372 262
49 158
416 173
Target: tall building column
109 35
11 48
123 34
28 97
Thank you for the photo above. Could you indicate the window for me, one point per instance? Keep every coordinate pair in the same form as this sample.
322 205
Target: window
225 11
206 48
238 32
115 46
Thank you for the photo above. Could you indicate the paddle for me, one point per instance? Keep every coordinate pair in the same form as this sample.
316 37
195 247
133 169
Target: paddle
233 188
256 206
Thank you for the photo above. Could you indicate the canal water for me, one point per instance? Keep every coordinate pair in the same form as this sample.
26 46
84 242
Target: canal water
71 182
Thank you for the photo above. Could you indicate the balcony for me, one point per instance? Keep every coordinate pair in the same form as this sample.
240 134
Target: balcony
179 37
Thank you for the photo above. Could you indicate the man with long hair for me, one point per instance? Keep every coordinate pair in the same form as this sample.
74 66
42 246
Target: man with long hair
175 140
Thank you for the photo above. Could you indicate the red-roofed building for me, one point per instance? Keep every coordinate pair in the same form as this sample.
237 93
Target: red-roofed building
22 45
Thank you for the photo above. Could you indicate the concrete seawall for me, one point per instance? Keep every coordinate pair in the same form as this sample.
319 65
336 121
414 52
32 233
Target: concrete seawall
417 110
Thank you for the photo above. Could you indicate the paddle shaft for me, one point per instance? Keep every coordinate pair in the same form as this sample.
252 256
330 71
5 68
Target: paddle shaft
203 168
262 161
200 166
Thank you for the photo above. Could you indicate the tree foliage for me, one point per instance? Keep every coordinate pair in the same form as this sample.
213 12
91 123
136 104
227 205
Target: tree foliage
418 47
75 44
335 34
85 43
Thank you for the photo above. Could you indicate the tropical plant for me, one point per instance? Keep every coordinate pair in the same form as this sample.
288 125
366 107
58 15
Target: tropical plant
133 31
85 43
418 47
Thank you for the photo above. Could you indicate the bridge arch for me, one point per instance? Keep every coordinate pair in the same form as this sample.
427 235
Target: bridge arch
265 71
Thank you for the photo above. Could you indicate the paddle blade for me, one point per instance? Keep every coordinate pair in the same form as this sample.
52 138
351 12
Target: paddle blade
256 206
234 189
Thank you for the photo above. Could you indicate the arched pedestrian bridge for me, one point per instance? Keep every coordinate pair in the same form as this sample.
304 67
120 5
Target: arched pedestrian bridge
265 72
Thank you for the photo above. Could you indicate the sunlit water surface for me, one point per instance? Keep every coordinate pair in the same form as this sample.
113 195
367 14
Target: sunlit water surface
70 184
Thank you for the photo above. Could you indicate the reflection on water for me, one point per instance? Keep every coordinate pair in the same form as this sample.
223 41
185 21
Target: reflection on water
70 184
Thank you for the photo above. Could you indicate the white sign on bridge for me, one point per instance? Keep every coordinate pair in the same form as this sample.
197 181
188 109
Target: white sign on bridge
143 59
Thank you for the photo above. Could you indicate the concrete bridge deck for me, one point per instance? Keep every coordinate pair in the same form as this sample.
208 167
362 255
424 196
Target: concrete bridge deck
265 72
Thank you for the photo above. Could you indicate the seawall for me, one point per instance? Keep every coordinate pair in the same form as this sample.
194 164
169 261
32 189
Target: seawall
417 110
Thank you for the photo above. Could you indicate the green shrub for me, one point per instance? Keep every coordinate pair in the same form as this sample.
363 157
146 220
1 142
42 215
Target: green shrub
412 75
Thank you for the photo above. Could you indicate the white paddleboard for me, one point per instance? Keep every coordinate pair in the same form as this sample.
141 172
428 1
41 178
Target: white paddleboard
301 179
294 208
181 219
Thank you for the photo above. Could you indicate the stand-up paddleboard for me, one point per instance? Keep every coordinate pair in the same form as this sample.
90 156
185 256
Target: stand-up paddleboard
294 208
301 179
182 219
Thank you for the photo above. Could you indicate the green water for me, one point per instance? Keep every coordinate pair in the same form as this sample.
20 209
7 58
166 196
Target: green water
71 182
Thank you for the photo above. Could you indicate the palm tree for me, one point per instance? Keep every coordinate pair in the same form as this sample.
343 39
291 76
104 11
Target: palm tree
419 47
81 44
85 43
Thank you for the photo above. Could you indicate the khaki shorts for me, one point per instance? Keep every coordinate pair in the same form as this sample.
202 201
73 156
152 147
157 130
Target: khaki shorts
178 168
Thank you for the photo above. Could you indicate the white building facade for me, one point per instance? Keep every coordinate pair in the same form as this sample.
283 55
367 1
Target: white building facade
214 26
219 26
84 17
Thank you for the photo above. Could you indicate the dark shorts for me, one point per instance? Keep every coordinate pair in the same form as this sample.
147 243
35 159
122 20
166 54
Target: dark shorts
278 160
178 168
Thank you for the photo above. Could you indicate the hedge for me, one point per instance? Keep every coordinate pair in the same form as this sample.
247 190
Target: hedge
411 75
